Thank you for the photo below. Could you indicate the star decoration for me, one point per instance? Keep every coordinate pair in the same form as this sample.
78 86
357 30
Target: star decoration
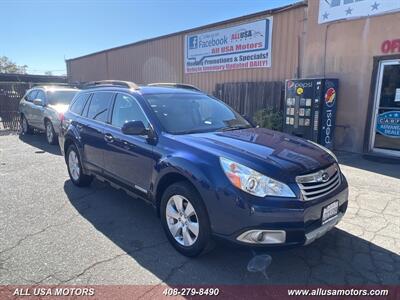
375 6
325 15
348 11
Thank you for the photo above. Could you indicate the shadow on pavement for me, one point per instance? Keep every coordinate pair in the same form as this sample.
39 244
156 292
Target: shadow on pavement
4 132
388 167
132 225
38 140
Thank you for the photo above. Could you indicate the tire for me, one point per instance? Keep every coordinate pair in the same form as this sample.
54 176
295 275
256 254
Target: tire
25 127
193 245
74 167
51 136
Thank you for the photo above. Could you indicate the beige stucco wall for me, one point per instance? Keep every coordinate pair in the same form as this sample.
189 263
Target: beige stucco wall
350 48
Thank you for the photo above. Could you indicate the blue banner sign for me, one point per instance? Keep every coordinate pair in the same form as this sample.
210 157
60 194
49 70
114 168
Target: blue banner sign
388 124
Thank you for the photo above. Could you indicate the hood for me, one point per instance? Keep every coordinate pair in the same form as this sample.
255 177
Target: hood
265 149
60 108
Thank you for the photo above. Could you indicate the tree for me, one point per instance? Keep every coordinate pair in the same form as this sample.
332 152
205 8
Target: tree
8 66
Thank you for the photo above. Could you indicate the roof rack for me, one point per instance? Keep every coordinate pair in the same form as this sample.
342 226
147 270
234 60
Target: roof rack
52 84
102 83
175 85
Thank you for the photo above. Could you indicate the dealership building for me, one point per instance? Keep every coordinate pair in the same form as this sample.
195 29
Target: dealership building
355 41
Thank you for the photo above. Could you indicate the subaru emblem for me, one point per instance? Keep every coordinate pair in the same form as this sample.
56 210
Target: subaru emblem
325 177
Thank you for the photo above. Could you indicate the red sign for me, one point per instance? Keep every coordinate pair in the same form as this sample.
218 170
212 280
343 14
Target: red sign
391 46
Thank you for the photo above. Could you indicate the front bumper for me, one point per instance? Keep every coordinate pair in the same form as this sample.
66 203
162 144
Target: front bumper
320 231
301 221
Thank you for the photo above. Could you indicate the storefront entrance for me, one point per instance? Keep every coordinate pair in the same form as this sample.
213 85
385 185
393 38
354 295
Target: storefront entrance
385 131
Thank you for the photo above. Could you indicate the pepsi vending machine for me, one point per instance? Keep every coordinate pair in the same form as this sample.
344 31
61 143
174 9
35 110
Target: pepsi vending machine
310 109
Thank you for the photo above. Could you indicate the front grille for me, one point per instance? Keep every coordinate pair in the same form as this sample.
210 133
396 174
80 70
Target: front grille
319 184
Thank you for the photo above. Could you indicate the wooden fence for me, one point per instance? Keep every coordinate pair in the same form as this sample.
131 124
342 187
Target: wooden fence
249 97
245 97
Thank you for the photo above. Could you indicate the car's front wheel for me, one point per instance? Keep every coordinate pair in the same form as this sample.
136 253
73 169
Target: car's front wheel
75 170
50 133
185 219
25 127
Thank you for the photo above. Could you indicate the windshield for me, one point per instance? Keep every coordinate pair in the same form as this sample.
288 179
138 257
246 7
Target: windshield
189 113
60 97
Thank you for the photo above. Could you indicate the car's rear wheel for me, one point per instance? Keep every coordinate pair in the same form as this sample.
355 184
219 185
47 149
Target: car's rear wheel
75 170
25 127
185 219
50 133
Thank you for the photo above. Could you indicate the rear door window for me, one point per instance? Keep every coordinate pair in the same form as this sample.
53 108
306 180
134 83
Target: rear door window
100 106
79 104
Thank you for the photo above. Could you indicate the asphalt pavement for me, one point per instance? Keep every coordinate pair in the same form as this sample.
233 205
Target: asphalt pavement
52 232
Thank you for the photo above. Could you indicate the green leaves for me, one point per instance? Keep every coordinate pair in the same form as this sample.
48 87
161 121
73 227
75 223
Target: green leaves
268 118
8 66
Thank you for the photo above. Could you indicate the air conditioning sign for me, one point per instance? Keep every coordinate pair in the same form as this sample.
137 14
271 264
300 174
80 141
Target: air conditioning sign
240 47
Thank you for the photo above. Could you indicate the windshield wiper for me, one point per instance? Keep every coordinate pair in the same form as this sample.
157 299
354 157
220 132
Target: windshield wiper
202 130
237 127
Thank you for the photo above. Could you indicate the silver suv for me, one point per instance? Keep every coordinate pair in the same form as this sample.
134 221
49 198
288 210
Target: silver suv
43 108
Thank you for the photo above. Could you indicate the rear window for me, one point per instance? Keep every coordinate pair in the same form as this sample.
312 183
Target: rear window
60 97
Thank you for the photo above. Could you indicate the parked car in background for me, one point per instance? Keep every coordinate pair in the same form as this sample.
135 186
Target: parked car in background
206 170
43 108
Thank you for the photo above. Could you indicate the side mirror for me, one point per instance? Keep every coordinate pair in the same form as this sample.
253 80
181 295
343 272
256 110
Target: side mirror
38 102
134 128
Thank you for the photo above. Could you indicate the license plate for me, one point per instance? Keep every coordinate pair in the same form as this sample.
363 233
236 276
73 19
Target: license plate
330 211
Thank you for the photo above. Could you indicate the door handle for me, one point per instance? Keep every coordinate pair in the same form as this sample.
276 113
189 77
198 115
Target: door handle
108 138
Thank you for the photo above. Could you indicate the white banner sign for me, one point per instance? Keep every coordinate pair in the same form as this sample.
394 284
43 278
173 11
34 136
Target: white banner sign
332 10
239 47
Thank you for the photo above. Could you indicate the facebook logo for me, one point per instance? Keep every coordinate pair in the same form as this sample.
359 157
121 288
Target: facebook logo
193 42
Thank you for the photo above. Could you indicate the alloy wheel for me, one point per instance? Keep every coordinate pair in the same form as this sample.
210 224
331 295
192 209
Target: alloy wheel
182 220
73 165
49 132
24 125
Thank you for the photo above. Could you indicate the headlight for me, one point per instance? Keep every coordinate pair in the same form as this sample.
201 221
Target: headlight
325 149
253 182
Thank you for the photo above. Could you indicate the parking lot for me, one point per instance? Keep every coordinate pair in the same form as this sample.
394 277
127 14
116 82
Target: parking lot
53 232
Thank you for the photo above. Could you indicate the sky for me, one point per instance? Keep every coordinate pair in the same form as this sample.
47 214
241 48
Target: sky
43 33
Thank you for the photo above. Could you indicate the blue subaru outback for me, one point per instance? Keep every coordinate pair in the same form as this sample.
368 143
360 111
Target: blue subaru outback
207 171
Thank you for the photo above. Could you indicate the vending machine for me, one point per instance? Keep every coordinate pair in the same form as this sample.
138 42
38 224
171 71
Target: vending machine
310 109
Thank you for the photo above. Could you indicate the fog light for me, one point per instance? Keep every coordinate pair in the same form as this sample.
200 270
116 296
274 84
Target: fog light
260 236
263 237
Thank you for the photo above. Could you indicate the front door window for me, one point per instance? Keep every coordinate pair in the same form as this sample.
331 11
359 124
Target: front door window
386 134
